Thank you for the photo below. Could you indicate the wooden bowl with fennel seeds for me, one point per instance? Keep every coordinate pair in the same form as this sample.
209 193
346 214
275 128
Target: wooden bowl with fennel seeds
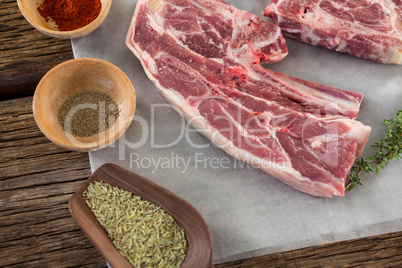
134 222
84 104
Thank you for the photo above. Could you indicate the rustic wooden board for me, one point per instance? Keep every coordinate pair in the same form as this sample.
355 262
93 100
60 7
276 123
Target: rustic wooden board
37 179
26 54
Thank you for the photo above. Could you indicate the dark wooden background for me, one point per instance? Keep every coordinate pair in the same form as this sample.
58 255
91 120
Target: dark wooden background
37 178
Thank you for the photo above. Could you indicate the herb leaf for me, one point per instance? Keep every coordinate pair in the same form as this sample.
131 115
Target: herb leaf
388 148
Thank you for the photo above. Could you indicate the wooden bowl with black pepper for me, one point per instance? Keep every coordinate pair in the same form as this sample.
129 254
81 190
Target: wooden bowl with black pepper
66 19
84 104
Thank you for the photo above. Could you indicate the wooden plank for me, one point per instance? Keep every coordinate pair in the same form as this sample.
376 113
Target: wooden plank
378 251
37 178
26 54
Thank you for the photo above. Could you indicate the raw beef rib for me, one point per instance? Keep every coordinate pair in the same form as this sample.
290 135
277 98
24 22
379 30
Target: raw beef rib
204 56
369 29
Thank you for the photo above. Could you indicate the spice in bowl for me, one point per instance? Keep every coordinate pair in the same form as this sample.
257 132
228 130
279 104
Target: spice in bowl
69 15
87 113
145 234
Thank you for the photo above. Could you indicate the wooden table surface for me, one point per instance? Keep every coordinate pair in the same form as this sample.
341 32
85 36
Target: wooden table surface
37 178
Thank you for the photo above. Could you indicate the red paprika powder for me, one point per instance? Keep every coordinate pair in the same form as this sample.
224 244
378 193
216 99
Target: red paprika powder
70 15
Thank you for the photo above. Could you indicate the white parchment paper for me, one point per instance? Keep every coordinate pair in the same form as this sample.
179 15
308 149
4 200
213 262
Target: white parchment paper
249 212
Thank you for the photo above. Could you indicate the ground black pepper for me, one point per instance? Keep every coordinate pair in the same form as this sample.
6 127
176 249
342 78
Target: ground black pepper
87 113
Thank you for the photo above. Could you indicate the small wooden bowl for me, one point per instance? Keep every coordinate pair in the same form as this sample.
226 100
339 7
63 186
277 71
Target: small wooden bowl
29 10
198 235
76 76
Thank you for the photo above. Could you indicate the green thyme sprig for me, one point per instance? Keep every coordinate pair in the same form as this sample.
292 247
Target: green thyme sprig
388 148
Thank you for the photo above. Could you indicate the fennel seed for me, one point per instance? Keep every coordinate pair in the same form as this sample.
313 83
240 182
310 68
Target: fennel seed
143 233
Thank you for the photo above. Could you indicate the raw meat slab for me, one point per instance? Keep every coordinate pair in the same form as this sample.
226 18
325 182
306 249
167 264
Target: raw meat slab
369 29
204 56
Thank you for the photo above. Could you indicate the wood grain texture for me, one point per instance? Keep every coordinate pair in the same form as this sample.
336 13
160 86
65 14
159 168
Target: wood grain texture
37 179
377 251
26 54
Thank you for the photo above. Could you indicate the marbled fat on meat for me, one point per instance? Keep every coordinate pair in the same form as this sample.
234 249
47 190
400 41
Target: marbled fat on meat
204 56
369 29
